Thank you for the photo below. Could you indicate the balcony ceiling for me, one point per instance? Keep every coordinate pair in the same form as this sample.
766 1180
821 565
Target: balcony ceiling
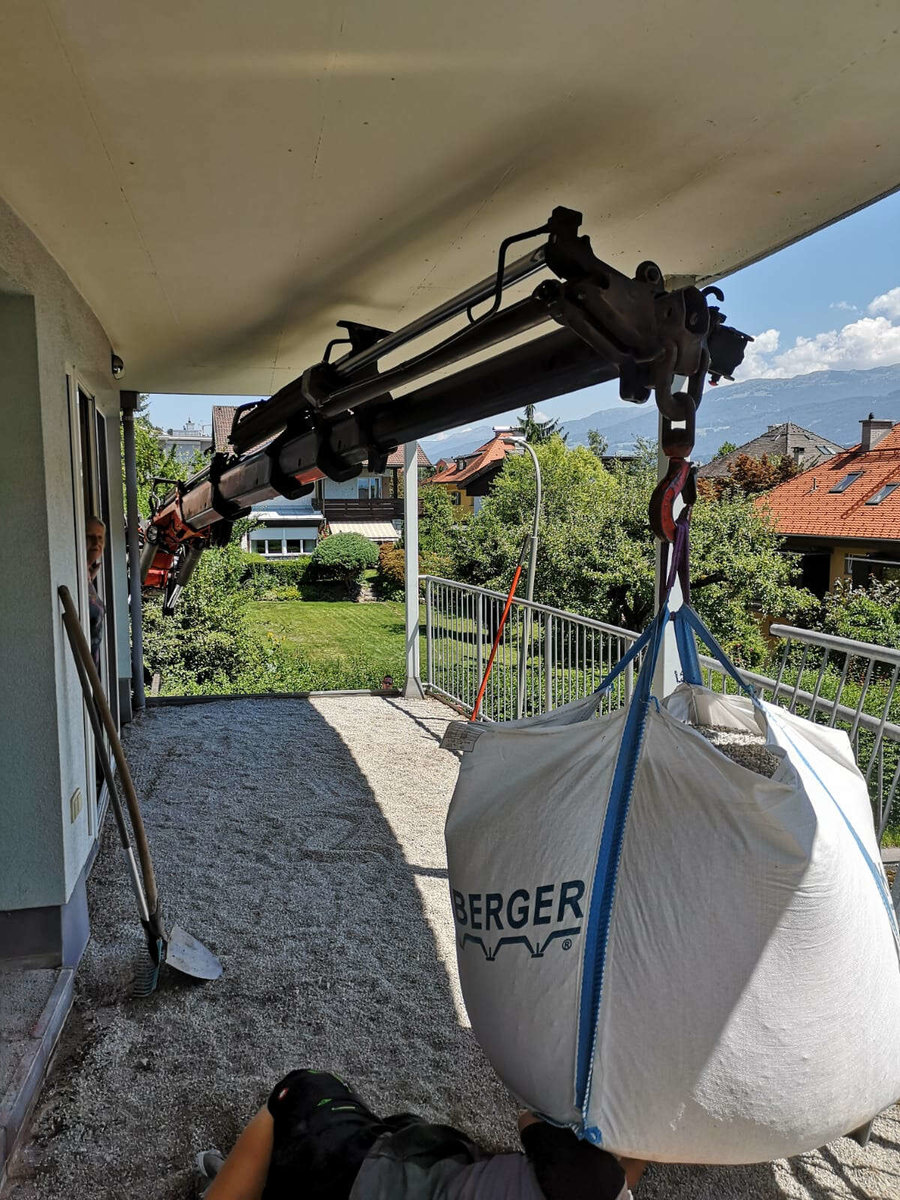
223 180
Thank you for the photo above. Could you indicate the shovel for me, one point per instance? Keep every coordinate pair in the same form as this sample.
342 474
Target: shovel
177 948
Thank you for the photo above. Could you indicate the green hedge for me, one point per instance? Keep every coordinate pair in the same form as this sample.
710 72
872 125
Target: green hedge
285 579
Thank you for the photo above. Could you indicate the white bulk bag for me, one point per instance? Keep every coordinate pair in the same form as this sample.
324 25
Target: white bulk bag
701 967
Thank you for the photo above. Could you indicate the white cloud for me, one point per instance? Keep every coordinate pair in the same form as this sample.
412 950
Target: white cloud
442 437
758 353
870 341
844 305
888 304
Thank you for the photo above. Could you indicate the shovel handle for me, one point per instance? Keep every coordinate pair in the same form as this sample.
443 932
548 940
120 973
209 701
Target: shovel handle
109 776
87 673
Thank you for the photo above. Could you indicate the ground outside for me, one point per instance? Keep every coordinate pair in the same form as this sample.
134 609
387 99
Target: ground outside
303 842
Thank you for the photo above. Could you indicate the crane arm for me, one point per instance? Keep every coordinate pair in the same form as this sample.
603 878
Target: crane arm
584 323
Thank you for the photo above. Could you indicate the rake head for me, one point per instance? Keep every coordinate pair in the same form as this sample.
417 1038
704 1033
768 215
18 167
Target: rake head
146 972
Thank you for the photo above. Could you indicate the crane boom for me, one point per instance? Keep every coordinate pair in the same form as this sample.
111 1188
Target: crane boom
341 415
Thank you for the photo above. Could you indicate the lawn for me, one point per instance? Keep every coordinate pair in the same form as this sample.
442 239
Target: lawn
370 634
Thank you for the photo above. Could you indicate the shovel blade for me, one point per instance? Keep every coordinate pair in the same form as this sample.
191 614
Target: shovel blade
185 954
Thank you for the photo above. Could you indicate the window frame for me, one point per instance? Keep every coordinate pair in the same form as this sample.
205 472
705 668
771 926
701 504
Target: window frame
846 482
886 490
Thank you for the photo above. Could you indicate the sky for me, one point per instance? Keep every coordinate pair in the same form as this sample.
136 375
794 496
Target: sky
832 301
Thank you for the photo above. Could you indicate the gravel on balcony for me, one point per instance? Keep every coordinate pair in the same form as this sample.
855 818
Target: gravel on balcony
302 841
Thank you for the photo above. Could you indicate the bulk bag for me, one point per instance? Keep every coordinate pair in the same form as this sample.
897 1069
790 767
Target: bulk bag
678 958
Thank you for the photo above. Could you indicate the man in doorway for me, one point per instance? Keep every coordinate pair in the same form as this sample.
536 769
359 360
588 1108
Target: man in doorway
96 544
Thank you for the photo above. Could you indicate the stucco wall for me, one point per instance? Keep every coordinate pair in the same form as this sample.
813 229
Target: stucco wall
46 332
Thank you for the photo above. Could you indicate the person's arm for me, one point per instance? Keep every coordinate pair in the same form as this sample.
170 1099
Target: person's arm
569 1169
243 1174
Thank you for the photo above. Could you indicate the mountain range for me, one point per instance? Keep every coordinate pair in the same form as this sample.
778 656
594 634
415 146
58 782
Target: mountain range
831 403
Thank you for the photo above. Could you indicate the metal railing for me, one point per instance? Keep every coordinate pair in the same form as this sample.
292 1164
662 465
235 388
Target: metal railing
547 657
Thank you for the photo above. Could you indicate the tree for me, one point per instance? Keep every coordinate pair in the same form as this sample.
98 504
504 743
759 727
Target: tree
597 443
153 462
749 476
597 555
725 448
344 556
539 432
437 517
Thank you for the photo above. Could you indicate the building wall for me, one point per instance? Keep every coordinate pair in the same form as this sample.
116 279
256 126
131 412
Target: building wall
46 333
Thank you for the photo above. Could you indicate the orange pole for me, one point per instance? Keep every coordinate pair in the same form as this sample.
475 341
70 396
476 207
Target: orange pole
490 661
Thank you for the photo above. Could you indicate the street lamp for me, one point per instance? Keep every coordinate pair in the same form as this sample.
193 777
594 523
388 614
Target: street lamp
524 651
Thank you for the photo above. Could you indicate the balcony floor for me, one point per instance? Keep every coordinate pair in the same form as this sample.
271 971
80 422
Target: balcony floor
303 842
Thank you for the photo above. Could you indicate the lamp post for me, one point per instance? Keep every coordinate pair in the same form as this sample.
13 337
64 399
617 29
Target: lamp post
525 647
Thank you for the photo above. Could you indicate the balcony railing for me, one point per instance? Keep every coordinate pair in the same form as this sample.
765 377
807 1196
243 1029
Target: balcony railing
380 509
547 657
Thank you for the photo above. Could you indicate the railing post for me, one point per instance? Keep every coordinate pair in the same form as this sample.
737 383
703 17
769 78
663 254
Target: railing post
479 643
548 663
429 620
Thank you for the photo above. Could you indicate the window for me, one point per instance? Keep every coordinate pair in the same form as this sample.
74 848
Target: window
309 544
883 493
369 487
294 546
455 497
846 481
826 450
273 547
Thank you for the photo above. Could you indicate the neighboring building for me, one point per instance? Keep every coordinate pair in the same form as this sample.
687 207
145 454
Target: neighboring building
805 448
468 477
187 442
843 516
370 504
287 528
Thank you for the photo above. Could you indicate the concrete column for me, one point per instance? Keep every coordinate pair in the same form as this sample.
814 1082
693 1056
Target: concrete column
129 401
414 689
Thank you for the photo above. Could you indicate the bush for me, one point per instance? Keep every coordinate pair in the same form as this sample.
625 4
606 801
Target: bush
344 557
865 614
206 645
263 574
391 578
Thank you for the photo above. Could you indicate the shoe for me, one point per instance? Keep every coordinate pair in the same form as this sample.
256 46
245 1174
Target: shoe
207 1165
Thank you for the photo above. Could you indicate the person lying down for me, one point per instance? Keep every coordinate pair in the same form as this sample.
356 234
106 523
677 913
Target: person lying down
315 1139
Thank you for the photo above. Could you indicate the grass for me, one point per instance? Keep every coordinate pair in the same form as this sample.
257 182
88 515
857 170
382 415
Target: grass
371 635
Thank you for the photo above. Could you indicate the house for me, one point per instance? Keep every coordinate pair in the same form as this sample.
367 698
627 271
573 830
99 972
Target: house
370 504
842 517
187 442
787 440
468 477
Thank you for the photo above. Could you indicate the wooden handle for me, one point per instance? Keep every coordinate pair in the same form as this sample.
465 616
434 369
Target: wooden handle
82 653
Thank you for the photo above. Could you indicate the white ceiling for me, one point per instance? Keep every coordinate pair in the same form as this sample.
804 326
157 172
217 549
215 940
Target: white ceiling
223 180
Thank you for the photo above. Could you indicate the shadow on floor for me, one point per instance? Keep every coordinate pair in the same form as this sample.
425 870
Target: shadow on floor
274 827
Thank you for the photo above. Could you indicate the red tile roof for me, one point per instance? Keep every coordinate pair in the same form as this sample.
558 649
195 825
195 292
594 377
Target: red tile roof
395 458
805 506
490 453
222 418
